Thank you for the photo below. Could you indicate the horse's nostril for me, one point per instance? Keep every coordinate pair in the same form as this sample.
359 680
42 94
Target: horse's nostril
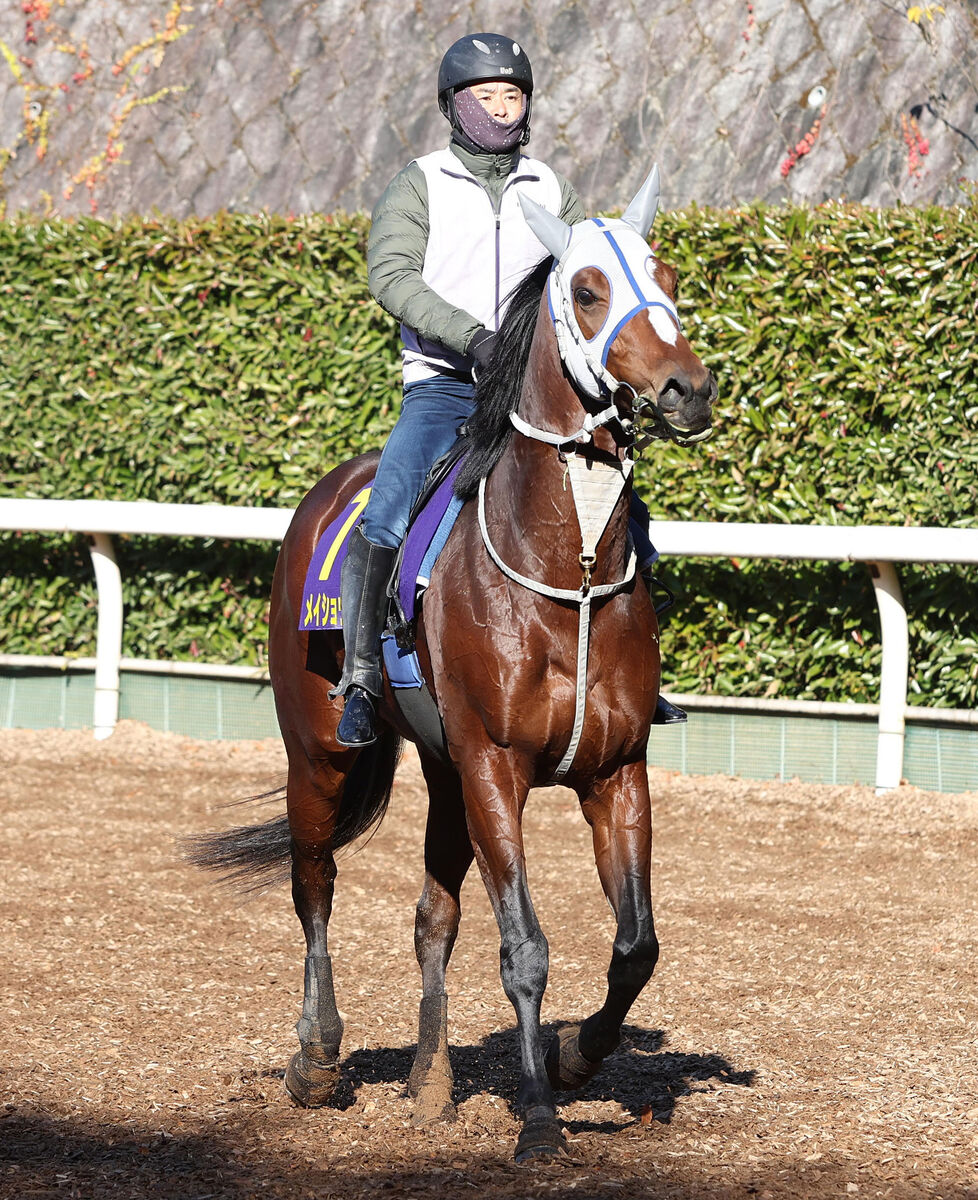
676 390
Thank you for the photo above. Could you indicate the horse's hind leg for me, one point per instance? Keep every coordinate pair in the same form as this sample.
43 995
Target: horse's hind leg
448 856
314 790
619 813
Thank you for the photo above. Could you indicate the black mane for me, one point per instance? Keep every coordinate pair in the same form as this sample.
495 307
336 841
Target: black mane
500 383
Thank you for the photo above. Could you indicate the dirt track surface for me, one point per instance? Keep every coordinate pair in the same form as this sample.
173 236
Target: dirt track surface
810 1029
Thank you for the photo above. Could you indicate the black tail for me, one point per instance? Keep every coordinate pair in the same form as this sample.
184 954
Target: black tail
251 858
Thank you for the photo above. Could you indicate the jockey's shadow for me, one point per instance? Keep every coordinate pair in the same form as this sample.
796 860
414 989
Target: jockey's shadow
641 1076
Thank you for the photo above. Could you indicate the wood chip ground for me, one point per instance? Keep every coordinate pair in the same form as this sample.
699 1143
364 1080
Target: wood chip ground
810 1030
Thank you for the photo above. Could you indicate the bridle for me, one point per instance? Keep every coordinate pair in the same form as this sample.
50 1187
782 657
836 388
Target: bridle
649 423
615 248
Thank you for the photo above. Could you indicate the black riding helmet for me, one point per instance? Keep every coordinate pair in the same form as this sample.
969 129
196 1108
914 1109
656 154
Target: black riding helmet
479 57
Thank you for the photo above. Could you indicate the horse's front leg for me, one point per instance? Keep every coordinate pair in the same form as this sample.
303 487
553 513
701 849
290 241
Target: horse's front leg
618 810
495 793
447 858
313 798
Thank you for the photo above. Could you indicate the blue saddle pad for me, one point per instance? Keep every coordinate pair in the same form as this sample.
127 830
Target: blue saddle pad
426 539
321 605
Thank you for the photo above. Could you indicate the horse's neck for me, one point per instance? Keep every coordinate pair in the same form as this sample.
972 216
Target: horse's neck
532 495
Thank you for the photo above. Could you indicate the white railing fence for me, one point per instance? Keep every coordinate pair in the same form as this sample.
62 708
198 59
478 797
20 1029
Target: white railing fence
878 546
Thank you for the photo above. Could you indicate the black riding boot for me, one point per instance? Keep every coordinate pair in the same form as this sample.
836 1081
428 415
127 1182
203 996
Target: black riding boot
665 713
363 592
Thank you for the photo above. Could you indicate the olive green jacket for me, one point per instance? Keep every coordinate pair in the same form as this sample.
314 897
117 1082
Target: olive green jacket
399 235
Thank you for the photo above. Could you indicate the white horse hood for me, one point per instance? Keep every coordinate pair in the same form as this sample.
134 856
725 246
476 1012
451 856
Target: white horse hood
617 248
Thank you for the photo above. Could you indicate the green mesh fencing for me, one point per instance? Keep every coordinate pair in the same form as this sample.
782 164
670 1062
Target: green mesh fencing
836 750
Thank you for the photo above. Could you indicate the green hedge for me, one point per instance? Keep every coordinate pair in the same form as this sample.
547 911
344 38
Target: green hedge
235 360
845 345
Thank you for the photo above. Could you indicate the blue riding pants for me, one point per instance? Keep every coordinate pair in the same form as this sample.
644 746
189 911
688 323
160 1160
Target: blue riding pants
432 411
638 526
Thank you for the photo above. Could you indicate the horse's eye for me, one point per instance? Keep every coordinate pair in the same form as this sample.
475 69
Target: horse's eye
585 297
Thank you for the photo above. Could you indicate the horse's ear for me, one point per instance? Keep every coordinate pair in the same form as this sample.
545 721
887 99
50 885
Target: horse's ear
554 233
641 212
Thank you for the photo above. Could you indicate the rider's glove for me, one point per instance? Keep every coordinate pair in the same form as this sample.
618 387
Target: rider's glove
481 345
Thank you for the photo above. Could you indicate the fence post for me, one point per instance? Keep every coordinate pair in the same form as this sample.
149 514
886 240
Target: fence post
894 671
108 646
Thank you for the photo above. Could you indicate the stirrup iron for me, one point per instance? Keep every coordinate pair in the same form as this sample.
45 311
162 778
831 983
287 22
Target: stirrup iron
655 584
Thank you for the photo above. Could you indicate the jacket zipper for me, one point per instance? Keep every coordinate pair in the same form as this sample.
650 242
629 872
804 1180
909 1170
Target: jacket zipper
498 215
499 212
495 310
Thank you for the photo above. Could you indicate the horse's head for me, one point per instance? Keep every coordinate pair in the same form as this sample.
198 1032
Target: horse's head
619 335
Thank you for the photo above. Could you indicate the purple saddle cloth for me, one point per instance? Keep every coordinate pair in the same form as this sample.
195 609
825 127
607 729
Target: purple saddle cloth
321 605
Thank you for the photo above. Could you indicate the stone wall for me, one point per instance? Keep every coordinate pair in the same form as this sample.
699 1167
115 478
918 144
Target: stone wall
118 106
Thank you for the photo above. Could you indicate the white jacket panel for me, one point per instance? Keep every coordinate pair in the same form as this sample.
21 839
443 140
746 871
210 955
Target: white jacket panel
474 259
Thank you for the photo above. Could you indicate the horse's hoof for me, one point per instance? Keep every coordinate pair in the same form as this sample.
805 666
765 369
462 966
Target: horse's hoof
432 1101
433 1112
311 1084
431 1076
567 1068
540 1138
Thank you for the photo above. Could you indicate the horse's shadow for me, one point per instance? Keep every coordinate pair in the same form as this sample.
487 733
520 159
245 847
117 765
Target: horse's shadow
643 1078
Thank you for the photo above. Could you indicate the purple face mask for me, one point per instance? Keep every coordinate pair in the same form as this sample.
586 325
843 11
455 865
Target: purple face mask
484 130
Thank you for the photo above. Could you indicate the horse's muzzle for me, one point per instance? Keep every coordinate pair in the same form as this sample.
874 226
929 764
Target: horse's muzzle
682 410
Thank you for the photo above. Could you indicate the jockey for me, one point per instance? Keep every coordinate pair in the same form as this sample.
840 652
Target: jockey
448 244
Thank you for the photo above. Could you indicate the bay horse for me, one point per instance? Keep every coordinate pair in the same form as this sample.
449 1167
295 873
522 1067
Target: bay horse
538 642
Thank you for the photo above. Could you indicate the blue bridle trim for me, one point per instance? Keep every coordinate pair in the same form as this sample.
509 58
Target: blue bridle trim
644 304
624 321
621 258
